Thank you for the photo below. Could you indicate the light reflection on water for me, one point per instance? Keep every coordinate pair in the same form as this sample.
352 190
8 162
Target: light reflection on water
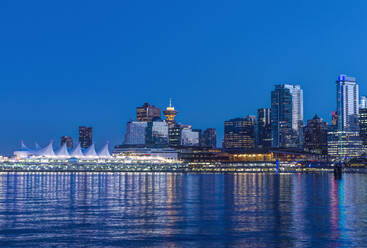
180 210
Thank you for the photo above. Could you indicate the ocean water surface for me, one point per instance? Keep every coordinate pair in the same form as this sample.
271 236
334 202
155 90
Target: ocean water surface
182 210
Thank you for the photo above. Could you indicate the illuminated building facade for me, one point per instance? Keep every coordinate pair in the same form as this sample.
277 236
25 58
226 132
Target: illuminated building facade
190 137
239 134
170 113
157 133
347 99
174 135
68 141
286 115
315 136
210 138
264 128
147 112
85 136
344 144
135 133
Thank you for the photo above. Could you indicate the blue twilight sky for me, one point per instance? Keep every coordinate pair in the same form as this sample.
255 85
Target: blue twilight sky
69 63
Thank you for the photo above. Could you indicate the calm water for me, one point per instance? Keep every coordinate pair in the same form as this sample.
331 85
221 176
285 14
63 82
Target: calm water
182 210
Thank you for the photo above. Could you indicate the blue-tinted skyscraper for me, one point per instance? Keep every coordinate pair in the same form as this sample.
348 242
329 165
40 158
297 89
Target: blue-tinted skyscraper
347 97
286 115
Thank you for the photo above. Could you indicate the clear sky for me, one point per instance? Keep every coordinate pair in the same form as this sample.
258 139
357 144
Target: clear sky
69 63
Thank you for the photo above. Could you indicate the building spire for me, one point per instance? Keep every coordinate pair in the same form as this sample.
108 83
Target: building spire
170 102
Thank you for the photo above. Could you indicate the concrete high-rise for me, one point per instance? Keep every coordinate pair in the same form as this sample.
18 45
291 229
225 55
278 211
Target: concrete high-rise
264 128
347 102
147 112
85 136
286 115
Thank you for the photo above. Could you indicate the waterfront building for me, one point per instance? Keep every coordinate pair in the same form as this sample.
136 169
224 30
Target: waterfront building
286 115
239 134
147 112
362 102
68 141
135 133
210 138
264 128
315 136
147 152
85 136
363 126
344 144
347 98
189 137
157 133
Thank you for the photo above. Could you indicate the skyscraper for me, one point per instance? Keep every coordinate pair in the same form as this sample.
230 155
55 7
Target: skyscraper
347 97
147 112
239 134
85 136
68 140
210 138
264 128
315 136
286 115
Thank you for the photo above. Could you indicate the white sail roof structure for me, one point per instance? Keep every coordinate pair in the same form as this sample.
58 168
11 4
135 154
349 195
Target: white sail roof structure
23 146
23 152
63 152
77 152
91 152
47 151
38 147
104 152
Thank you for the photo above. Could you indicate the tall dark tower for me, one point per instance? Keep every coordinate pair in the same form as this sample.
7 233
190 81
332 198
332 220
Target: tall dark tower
85 136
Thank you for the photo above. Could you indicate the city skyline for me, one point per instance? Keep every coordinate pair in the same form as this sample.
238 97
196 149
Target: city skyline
219 139
76 70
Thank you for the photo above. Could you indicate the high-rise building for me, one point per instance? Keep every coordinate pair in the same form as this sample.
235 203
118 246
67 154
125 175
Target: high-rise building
264 128
68 140
135 133
315 136
157 133
85 136
147 112
362 102
239 134
210 138
347 97
174 134
363 126
286 115
190 137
